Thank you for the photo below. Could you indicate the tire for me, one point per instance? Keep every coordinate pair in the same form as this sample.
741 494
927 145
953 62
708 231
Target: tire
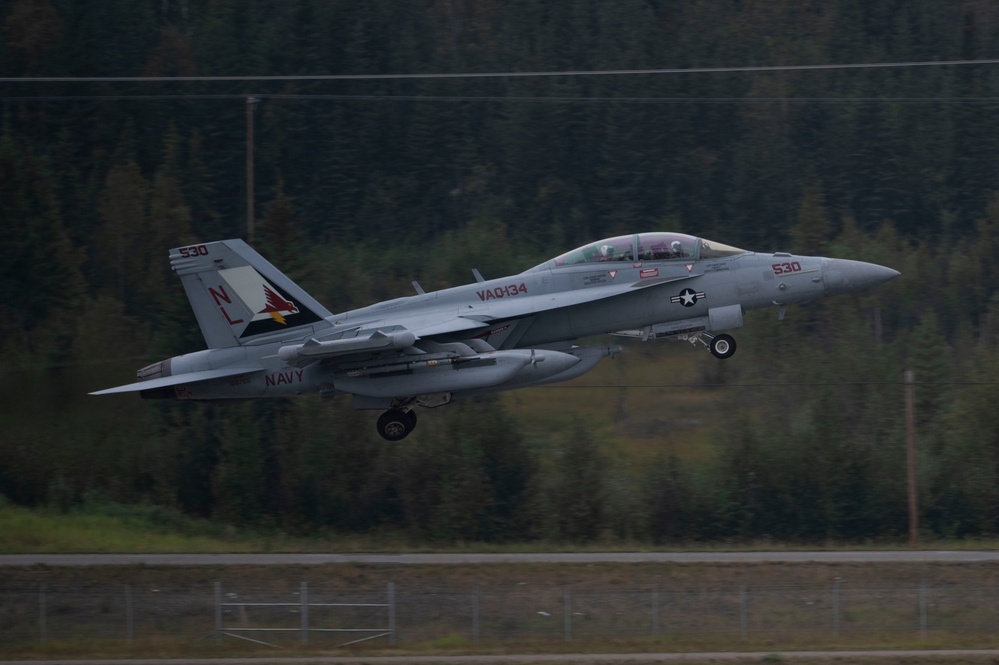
396 424
723 346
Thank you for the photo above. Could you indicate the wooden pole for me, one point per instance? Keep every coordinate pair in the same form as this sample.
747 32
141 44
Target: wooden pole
250 102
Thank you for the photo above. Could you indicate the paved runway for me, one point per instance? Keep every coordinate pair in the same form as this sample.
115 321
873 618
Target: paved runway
901 556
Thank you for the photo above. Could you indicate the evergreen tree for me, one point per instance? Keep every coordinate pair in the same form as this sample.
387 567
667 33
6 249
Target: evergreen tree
669 500
575 501
242 487
40 272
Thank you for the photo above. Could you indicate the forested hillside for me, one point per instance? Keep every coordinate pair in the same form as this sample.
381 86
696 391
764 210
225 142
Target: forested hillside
363 185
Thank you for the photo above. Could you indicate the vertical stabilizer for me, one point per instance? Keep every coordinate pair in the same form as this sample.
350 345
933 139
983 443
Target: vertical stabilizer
238 295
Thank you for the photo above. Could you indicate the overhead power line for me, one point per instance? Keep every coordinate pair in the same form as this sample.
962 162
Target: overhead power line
475 75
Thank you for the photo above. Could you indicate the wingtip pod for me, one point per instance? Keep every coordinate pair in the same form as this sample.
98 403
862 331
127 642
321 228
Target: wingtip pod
846 276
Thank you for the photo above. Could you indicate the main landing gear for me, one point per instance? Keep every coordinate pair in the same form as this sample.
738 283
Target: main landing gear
396 424
720 346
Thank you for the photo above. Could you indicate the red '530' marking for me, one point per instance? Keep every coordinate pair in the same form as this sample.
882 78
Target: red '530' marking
193 250
784 268
502 291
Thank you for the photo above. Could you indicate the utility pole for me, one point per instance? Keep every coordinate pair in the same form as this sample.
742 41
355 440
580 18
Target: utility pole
250 103
910 435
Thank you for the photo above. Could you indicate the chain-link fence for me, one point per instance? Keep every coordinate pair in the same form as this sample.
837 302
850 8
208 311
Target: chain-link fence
300 613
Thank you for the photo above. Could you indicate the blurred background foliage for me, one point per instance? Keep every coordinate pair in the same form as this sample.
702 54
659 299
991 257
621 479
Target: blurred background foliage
364 185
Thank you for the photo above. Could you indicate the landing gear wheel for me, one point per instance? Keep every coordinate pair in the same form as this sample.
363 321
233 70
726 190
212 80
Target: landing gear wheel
722 346
396 424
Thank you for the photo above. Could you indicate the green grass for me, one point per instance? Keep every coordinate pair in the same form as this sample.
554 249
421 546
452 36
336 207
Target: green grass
111 529
104 527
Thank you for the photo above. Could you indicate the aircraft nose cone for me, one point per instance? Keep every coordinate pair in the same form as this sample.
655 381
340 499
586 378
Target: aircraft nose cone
845 276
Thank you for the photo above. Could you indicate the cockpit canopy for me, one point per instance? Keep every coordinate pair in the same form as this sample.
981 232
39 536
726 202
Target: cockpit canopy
643 247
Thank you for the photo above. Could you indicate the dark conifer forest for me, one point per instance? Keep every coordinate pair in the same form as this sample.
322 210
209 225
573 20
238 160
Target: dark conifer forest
363 184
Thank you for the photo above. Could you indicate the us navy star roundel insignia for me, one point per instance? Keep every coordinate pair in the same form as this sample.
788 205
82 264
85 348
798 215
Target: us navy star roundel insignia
688 297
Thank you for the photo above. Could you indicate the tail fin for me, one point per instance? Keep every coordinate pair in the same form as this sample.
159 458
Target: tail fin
237 294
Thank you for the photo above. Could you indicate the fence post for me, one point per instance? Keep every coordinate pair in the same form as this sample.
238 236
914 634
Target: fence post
42 625
743 612
218 612
304 594
835 605
391 612
475 615
129 619
655 610
568 615
922 609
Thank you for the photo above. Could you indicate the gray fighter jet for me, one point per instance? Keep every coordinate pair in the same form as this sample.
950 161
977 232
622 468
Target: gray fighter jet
267 337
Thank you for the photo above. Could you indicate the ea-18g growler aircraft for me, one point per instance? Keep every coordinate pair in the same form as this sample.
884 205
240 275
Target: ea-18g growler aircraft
267 337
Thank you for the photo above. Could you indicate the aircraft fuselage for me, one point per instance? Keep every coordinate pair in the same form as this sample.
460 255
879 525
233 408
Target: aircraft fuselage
268 337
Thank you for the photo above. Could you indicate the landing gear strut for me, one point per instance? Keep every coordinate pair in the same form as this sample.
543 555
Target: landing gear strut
396 424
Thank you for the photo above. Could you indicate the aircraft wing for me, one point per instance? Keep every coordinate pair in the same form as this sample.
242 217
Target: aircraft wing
180 379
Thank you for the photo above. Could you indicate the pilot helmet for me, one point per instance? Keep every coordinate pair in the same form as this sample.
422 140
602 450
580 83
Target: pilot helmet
606 251
676 246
